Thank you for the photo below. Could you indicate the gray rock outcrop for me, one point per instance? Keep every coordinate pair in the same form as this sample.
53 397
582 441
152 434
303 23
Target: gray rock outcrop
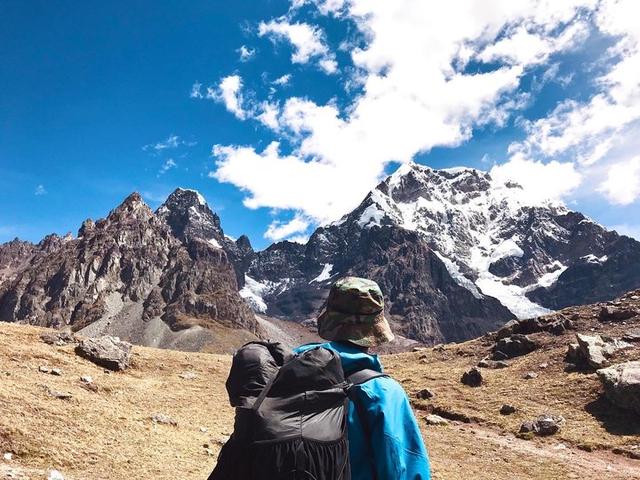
622 385
108 352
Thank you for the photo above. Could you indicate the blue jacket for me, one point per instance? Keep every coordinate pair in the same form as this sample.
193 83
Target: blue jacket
395 450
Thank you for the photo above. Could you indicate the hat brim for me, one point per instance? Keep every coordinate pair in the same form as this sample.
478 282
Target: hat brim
363 330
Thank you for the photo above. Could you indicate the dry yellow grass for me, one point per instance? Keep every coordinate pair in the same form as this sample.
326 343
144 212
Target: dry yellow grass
109 434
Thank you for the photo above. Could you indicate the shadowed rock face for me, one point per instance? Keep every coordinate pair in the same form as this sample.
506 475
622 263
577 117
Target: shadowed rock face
127 268
422 299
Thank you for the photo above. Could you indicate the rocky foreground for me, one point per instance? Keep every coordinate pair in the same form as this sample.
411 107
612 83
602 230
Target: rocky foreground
547 398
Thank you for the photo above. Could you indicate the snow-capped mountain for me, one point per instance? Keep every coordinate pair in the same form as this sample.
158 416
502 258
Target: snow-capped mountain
499 248
456 253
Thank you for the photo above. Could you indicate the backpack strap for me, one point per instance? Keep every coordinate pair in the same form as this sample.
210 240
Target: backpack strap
363 376
358 378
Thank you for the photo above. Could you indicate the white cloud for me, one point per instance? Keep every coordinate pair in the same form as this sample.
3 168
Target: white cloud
170 143
268 115
307 41
167 165
283 80
246 53
540 181
415 94
622 185
278 230
229 93
40 190
196 90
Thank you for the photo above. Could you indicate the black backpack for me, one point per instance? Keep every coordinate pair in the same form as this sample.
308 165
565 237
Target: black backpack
291 415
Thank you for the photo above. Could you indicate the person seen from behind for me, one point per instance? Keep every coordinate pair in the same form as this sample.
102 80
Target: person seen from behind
384 439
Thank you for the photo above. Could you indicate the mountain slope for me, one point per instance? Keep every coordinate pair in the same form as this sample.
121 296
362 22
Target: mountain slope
107 431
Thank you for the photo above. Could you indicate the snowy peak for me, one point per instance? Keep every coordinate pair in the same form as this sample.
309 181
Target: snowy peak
189 216
492 236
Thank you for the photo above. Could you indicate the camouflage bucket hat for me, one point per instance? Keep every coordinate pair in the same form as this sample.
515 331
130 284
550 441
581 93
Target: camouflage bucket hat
355 312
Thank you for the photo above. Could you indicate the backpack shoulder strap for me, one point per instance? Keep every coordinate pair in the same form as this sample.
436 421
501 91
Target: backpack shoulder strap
363 376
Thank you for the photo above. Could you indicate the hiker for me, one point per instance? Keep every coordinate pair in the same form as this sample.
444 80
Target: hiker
384 439
324 411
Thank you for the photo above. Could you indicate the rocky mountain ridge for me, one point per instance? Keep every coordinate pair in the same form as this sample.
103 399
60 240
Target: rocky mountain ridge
456 253
128 274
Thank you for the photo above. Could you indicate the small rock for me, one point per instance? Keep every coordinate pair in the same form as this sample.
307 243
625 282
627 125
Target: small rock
57 338
530 375
472 378
56 371
543 425
55 475
188 376
44 369
204 429
424 394
543 365
60 395
435 420
493 364
548 424
632 336
163 419
8 456
86 379
108 352
507 409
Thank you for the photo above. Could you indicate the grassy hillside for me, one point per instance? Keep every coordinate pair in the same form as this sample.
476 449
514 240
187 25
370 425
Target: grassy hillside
109 433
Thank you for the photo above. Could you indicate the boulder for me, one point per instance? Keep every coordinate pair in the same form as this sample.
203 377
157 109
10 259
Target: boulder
593 351
108 352
513 346
622 385
556 324
616 314
472 378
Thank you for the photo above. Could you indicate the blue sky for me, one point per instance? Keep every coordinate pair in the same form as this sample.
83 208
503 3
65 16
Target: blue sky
99 99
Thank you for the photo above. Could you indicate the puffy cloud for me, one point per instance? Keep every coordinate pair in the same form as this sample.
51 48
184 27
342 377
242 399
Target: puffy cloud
40 190
622 185
278 230
418 87
540 181
229 93
307 41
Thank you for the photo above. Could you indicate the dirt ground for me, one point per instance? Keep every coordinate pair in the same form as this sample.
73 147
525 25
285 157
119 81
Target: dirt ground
109 433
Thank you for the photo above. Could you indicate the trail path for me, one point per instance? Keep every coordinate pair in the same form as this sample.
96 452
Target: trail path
606 463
